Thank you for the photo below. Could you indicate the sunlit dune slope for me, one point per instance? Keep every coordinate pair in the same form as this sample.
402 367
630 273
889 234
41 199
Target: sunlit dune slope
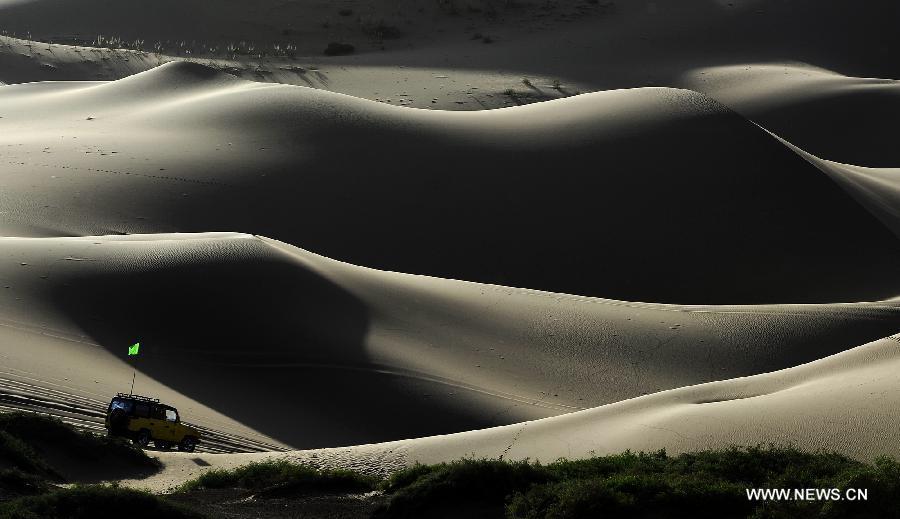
846 119
647 194
842 403
314 353
845 403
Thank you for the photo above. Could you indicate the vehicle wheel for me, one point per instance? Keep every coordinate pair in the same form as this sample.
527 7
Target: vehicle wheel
187 445
143 438
162 445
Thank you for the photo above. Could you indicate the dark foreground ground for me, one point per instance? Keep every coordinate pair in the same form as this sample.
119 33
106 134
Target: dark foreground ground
237 503
37 452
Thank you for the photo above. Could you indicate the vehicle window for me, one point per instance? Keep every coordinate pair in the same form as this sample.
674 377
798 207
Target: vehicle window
142 410
171 415
124 405
159 413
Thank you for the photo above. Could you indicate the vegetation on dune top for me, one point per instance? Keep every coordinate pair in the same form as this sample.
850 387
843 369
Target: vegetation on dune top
24 437
29 483
694 485
94 501
705 484
279 478
15 483
19 455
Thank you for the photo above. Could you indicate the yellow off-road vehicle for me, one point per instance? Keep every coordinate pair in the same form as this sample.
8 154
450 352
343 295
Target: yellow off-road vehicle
142 419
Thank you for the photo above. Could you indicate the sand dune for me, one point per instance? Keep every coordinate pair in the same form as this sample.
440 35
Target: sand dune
616 45
844 402
26 61
630 186
312 352
877 189
281 28
315 270
844 119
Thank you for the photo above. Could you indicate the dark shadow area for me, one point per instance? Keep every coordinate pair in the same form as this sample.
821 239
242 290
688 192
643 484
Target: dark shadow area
694 208
44 448
626 49
253 339
855 127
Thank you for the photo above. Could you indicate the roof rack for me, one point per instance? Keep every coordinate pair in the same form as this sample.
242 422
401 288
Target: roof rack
137 397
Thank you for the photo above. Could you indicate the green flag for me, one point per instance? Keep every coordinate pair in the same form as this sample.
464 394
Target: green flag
133 350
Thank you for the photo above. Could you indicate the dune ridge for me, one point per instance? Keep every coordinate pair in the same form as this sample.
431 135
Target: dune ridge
366 347
268 159
700 251
842 402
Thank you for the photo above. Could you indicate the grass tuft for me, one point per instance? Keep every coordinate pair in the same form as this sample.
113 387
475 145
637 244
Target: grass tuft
15 483
281 478
93 501
707 484
23 436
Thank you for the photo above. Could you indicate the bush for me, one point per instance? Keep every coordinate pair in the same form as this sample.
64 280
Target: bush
694 485
482 484
279 478
25 434
93 501
21 456
15 483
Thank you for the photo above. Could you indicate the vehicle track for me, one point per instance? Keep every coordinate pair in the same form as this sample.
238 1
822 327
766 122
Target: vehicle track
88 414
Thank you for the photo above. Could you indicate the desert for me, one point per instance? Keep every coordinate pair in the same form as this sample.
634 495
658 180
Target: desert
369 237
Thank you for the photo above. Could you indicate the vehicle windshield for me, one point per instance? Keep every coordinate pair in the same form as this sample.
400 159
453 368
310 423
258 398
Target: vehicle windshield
171 415
124 405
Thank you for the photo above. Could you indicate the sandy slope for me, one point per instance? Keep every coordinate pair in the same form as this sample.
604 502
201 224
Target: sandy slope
845 119
621 41
878 189
624 44
269 26
845 402
614 194
647 194
314 352
23 61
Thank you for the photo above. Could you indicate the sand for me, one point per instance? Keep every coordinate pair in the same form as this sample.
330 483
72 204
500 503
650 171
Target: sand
652 157
680 232
364 366
842 403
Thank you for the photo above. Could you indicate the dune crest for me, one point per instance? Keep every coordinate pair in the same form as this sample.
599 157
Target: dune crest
364 353
837 403
612 194
877 189
522 230
844 119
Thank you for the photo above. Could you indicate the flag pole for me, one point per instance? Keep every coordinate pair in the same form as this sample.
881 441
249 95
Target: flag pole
133 350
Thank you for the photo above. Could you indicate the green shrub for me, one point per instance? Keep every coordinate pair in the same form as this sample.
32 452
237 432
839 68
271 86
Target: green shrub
15 483
39 431
93 501
707 484
19 455
281 478
631 496
482 484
